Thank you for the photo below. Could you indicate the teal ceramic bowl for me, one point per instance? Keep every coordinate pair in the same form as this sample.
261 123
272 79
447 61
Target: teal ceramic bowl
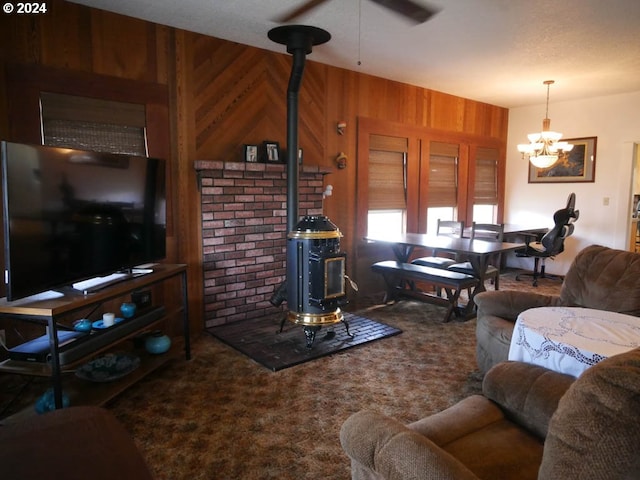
128 310
82 325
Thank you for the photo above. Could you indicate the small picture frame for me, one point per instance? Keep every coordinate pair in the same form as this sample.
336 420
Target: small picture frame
270 152
251 153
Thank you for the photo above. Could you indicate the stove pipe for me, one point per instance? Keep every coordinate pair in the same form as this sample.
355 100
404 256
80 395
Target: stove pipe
299 40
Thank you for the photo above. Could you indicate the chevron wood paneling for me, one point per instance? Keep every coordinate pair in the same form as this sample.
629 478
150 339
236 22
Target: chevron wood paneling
241 98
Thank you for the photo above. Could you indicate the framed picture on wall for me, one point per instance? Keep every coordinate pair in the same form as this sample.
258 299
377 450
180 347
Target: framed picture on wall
251 153
270 152
578 166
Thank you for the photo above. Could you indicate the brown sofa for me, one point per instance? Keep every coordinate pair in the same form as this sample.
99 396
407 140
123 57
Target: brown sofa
530 423
599 277
76 443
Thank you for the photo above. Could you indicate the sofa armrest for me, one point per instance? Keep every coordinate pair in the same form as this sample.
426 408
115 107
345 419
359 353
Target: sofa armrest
508 304
528 394
387 449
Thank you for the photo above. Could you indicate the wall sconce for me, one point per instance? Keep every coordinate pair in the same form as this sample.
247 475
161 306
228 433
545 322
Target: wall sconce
341 160
341 127
327 191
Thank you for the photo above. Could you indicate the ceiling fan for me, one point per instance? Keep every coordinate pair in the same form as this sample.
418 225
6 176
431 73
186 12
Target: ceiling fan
406 8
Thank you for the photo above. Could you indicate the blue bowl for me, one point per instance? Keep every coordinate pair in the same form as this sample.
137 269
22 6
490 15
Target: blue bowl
82 325
128 310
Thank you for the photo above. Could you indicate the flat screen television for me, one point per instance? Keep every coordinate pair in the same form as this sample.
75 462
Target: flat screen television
71 215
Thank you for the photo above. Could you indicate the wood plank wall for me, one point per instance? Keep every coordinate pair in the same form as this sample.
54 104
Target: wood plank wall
223 94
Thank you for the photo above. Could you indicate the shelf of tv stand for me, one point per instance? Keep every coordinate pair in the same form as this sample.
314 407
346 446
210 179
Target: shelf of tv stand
75 300
82 391
42 369
99 393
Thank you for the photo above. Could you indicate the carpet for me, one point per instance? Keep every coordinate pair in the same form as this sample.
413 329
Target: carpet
261 339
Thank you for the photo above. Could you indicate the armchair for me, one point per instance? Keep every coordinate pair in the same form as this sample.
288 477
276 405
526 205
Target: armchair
599 277
552 243
529 423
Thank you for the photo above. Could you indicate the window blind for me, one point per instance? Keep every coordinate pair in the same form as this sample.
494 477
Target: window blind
93 124
443 175
486 182
387 183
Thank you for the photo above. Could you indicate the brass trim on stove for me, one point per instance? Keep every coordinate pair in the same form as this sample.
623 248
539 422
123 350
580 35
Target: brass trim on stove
315 235
316 318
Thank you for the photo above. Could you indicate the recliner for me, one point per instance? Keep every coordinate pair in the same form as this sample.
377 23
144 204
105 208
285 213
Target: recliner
552 243
530 423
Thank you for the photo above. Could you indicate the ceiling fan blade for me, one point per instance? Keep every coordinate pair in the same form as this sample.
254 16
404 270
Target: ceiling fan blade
301 10
409 9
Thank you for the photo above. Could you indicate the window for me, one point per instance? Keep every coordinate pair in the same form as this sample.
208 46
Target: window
435 213
387 199
93 124
485 192
442 188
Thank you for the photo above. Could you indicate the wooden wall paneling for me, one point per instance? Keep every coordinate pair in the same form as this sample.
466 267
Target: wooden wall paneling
123 46
447 112
66 36
466 168
341 105
312 113
413 182
20 38
425 152
187 206
238 98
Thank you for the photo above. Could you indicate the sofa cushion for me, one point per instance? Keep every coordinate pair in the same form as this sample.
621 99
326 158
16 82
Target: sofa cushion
595 432
476 432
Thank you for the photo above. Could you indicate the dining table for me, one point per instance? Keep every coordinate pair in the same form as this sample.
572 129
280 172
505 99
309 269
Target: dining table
478 252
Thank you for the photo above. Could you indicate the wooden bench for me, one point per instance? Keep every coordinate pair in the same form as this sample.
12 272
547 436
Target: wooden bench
400 277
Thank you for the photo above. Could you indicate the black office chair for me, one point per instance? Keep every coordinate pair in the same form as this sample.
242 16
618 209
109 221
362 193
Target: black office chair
552 243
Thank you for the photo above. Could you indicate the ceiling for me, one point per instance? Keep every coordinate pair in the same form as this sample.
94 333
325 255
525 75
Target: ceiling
493 51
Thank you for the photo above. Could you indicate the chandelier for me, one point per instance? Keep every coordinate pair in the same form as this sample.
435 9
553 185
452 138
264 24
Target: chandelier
545 148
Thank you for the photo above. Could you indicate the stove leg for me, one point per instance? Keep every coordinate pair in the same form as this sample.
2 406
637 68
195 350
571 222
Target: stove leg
310 333
284 319
346 326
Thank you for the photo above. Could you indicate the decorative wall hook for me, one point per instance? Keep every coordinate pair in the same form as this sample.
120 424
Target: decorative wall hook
341 127
341 160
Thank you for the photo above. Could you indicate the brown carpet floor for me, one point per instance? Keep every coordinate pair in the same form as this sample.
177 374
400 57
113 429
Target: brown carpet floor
222 416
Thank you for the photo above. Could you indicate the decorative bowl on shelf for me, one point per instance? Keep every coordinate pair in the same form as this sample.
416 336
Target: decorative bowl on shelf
128 310
82 325
157 343
109 367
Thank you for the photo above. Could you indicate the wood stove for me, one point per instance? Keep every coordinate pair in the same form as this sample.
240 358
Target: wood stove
315 284
315 275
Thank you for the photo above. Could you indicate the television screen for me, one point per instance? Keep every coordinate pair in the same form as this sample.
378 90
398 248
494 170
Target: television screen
71 215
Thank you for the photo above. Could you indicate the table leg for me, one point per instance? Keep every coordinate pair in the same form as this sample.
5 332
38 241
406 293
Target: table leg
479 264
402 252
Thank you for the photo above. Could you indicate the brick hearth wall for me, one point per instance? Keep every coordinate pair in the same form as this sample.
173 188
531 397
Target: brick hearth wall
244 223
